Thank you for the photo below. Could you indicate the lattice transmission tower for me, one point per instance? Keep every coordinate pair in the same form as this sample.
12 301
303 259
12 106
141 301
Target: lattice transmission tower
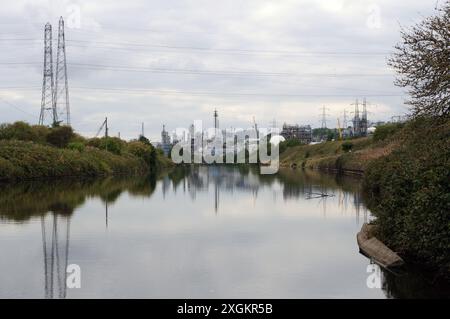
323 117
61 95
47 101
55 107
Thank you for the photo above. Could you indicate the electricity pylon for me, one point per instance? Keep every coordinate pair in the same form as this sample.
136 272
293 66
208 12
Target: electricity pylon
61 95
47 101
324 117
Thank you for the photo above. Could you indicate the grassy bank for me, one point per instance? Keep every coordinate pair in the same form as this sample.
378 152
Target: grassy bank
350 156
33 152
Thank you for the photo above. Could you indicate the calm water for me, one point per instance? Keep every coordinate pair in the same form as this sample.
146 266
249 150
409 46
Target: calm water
201 232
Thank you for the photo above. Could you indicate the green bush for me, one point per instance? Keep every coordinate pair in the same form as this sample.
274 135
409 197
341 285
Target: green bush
60 136
76 146
347 146
144 140
409 193
384 131
111 144
24 132
288 143
93 142
39 151
76 138
144 151
25 160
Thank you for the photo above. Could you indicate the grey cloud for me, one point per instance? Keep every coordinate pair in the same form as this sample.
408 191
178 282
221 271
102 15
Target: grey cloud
333 28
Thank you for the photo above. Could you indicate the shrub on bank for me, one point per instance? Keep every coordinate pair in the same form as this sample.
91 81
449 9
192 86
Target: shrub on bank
288 143
148 153
347 146
26 160
24 132
111 144
384 131
76 146
409 193
39 151
60 136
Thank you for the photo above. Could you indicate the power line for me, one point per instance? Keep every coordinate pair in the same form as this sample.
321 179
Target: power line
237 73
226 50
264 94
16 107
165 92
128 46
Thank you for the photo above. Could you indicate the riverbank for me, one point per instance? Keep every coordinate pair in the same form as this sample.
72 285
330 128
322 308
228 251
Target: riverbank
349 157
408 191
405 172
37 152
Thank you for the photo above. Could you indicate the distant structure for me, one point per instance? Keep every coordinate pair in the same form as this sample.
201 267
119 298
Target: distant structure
301 133
55 89
356 120
360 122
346 129
364 123
165 141
324 117
47 103
216 120
61 86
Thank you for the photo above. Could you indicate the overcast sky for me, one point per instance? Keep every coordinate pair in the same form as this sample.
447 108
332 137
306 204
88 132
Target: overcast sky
173 62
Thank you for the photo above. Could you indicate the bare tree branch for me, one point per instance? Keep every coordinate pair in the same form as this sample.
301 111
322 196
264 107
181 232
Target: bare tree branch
422 61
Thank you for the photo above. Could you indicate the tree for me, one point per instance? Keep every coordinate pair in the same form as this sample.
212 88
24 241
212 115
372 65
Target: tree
422 61
144 140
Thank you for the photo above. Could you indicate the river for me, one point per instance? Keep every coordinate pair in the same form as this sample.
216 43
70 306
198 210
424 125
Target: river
193 232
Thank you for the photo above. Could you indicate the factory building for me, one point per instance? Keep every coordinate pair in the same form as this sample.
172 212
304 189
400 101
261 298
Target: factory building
299 132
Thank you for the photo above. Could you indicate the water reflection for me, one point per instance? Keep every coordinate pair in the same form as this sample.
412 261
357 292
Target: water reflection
54 204
55 241
295 185
20 202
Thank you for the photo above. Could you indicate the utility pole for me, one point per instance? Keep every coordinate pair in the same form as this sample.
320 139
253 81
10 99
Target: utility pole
104 125
47 100
61 94
142 130
216 120
345 119
256 128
